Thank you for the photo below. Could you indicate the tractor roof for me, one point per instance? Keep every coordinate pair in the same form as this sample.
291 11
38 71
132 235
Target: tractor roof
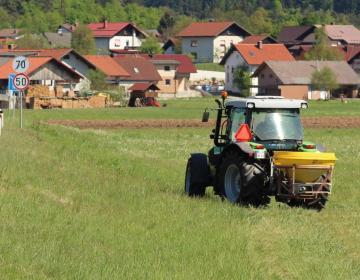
268 102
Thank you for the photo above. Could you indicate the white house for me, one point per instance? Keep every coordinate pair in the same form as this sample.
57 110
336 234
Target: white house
209 41
116 36
252 56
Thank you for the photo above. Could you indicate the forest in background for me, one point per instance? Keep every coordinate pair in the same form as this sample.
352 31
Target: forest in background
257 16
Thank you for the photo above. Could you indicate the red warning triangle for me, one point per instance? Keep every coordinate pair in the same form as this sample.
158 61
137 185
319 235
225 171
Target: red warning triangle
243 134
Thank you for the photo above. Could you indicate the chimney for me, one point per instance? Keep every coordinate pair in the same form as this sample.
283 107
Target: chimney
105 23
14 31
346 48
134 24
76 24
260 45
152 54
332 23
72 28
59 31
11 46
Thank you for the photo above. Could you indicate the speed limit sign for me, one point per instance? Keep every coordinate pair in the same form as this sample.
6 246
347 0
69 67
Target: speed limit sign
21 81
20 64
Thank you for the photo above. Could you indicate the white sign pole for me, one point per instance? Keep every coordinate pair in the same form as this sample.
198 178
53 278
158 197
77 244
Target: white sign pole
21 81
21 105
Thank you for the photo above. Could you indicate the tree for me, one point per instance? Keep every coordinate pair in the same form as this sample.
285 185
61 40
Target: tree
150 46
30 41
166 25
324 79
321 51
83 40
97 78
241 78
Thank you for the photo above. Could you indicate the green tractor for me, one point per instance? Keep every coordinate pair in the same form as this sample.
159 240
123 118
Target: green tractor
259 152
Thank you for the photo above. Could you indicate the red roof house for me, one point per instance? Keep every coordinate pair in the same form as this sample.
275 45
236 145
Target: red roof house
252 56
209 41
116 35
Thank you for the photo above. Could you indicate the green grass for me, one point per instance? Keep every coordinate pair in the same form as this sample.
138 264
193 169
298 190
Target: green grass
93 204
209 67
179 109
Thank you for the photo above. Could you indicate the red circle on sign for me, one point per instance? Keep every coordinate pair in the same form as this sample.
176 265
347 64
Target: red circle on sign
21 81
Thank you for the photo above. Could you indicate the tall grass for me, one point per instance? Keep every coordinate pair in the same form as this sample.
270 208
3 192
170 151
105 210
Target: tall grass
92 204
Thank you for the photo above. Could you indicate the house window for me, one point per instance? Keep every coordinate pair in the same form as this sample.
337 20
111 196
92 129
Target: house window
166 68
125 32
227 77
167 82
66 56
262 75
194 43
127 42
222 42
231 42
136 70
194 54
117 43
270 76
232 69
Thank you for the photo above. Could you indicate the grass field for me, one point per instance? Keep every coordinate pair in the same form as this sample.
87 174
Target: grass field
93 204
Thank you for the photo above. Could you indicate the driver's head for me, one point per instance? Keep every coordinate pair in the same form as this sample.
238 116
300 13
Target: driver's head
269 120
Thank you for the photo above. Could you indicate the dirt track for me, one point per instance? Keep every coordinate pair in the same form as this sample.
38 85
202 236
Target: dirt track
312 122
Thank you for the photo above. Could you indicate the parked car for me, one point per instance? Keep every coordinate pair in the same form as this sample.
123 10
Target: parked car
207 87
198 87
220 88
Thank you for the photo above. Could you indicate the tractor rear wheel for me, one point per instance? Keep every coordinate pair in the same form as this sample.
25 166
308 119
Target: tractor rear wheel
316 203
241 180
192 188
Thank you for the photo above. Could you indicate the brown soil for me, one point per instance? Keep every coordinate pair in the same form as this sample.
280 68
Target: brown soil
311 122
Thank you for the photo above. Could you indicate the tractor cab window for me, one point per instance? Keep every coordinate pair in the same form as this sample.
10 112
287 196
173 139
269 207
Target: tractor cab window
282 124
237 118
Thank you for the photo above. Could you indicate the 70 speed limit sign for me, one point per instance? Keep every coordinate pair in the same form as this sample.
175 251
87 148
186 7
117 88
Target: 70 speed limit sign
21 81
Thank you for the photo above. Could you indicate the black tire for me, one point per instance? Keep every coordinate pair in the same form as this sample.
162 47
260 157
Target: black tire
192 188
242 180
317 203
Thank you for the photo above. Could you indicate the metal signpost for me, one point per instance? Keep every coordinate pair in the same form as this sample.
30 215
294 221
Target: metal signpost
20 81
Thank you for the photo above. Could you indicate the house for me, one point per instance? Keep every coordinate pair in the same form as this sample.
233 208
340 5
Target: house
7 35
58 38
140 70
111 36
292 79
254 39
174 69
40 69
252 56
69 57
67 28
351 55
295 36
170 46
107 65
209 41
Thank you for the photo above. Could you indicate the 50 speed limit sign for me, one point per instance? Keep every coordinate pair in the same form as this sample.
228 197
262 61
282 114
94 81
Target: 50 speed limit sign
21 81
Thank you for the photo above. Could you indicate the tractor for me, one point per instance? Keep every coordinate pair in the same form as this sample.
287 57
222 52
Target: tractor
258 153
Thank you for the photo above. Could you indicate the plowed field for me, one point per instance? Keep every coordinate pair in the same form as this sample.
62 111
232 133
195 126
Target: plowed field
311 122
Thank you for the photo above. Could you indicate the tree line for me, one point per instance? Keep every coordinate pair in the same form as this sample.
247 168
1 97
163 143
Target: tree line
257 16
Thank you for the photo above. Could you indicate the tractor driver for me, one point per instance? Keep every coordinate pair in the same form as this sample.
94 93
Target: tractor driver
267 128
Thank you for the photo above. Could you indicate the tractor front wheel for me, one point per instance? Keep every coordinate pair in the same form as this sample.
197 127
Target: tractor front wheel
192 188
241 180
